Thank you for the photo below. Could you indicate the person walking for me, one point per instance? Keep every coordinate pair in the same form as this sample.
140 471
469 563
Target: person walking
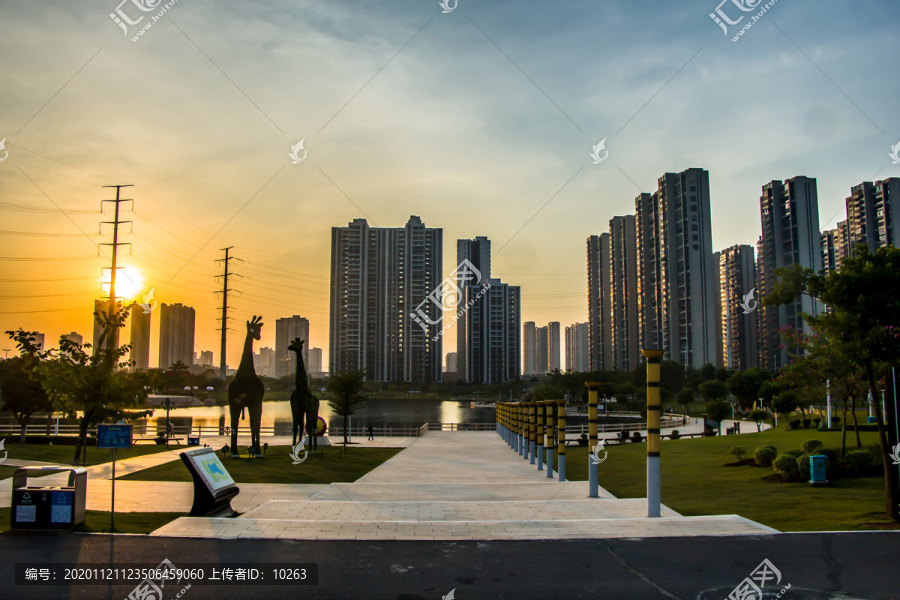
371 432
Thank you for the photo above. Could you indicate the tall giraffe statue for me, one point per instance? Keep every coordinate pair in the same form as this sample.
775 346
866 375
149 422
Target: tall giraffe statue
303 402
246 391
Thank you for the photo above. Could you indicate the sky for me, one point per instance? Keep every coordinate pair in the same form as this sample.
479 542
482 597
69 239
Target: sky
480 120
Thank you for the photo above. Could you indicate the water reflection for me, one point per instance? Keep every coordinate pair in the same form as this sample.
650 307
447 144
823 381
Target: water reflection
387 413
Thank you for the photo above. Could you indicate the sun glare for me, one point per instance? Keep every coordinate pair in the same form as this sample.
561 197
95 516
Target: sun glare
129 284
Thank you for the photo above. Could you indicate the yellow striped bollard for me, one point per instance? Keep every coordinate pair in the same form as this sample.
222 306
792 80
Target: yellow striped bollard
548 443
539 411
593 486
561 428
654 410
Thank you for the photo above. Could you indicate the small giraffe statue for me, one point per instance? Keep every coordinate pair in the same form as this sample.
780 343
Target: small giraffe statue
246 391
303 402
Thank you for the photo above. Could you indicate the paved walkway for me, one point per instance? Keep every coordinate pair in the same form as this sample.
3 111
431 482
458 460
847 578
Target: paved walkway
457 486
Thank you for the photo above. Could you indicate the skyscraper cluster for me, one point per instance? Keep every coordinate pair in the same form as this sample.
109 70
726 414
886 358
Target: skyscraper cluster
654 280
541 348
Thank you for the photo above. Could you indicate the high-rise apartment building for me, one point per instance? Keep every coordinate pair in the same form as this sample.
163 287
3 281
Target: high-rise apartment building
176 335
206 358
75 338
140 338
678 281
554 353
599 295
790 236
386 301
286 331
542 346
737 279
488 335
577 355
623 316
315 361
529 348
452 363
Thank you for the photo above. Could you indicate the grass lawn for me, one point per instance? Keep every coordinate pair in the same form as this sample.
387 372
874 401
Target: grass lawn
96 521
695 481
63 455
277 467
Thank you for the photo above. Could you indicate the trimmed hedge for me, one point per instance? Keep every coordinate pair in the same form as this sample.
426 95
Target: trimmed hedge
858 462
810 446
786 465
764 455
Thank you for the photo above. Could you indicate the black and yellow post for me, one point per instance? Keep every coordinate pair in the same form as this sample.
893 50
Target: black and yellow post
593 485
519 427
654 411
561 428
539 406
528 426
549 443
520 411
532 438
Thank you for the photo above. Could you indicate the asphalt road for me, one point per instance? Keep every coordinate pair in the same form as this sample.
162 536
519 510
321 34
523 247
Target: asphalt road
818 566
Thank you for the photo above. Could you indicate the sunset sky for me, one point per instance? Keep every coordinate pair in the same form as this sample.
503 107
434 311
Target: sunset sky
480 121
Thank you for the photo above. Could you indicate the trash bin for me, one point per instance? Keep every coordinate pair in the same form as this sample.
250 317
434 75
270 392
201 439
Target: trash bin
818 470
193 440
47 508
871 420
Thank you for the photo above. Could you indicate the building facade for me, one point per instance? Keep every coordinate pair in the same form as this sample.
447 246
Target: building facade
599 299
176 335
739 302
529 348
386 301
287 330
577 352
623 321
140 338
789 213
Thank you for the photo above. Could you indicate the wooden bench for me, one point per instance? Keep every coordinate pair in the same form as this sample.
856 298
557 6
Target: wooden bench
154 439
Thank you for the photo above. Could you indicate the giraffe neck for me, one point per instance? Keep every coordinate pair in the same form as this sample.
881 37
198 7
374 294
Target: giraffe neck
247 356
301 380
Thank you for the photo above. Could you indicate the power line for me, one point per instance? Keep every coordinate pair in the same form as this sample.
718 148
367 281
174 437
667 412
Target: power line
38 234
38 209
46 258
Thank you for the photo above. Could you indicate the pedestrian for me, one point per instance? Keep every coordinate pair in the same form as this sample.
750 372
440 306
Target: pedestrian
170 430
371 432
683 421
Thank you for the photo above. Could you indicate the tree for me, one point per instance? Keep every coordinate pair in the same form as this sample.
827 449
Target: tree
717 410
863 322
20 394
348 389
785 403
745 386
758 415
713 390
96 386
685 397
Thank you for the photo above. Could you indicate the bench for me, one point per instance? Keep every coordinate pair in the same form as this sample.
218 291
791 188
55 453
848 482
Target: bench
146 438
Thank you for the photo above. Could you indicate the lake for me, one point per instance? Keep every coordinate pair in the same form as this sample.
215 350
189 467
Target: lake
381 413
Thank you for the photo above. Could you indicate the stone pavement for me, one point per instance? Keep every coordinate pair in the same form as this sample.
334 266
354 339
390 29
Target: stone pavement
457 486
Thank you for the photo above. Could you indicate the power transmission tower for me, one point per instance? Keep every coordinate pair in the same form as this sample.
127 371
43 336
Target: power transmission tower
111 307
225 289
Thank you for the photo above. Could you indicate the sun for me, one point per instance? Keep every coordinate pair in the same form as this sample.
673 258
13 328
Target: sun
129 283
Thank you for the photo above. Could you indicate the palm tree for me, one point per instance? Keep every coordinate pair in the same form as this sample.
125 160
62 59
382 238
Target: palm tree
348 389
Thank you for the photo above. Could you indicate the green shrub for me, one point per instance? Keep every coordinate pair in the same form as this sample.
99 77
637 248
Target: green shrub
810 446
764 455
738 452
786 466
858 462
794 423
806 423
831 454
794 453
816 422
835 421
804 469
675 434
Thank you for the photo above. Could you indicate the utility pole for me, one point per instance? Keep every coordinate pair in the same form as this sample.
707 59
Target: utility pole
111 307
225 289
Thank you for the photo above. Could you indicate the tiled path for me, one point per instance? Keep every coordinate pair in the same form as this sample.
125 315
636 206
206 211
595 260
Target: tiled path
456 486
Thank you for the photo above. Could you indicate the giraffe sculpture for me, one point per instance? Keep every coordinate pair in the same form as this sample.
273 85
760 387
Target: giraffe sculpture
246 391
303 402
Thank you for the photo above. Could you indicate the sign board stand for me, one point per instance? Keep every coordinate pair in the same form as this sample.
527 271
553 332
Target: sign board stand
113 437
213 486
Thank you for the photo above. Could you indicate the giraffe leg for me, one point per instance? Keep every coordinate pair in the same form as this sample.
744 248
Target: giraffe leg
235 422
255 421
